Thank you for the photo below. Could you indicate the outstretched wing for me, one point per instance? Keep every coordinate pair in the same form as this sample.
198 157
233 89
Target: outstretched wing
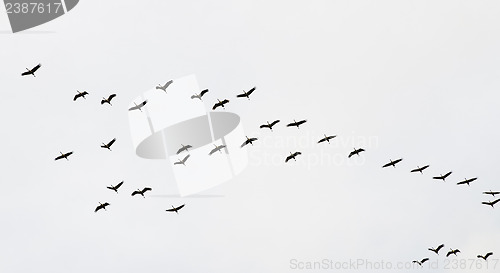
185 158
274 122
135 107
288 158
36 68
264 126
111 97
194 96
388 164
203 92
352 153
98 208
494 202
424 260
146 189
301 122
322 140
216 105
241 95
111 142
251 90
446 175
439 247
59 157
119 185
180 207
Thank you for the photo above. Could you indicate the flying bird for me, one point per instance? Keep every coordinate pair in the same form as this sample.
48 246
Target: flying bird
248 141
64 156
436 250
115 188
183 161
138 106
220 103
217 148
270 125
420 169
491 203
392 163
108 146
141 192
452 251
292 156
421 262
31 71
493 193
165 86
108 100
326 138
176 208
356 152
296 123
442 177
485 256
466 181
198 96
184 148
80 94
246 94
101 206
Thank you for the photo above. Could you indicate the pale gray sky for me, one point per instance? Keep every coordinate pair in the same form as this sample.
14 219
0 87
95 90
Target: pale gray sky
411 79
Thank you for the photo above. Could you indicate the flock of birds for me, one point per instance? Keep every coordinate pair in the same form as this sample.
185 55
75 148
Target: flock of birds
449 253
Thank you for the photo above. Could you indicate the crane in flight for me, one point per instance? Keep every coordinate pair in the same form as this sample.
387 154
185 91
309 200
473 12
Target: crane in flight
436 250
296 123
183 161
138 106
466 181
101 206
246 93
115 188
220 103
248 141
420 169
141 192
176 209
485 256
452 251
326 138
492 193
31 71
442 177
421 261
65 156
492 204
198 96
165 86
80 94
217 148
356 152
108 146
392 163
292 156
270 125
108 100
184 148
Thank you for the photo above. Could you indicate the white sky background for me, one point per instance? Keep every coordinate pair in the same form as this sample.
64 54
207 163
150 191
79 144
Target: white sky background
417 78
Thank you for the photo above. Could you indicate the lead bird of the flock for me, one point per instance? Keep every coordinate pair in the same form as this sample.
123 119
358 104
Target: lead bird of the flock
101 206
184 148
183 161
220 103
485 256
141 192
296 123
138 106
248 141
420 169
31 71
492 204
466 181
392 163
421 261
217 148
65 155
292 156
326 138
492 193
165 86
270 125
436 250
108 146
176 209
115 188
198 96
246 93
80 94
442 177
356 152
108 100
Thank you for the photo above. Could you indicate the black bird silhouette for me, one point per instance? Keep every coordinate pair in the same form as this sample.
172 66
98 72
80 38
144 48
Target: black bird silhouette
296 123
108 146
141 192
442 177
80 94
248 141
115 188
420 169
183 161
292 156
492 204
217 148
326 138
270 125
485 256
392 163
493 193
198 96
220 103
108 100
436 250
64 156
356 152
466 181
246 94
421 261
165 86
138 106
184 148
31 71
452 251
175 209
101 206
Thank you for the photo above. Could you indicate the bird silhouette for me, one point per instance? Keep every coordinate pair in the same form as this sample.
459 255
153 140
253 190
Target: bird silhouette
141 192
176 209
492 204
115 188
165 86
108 100
183 161
138 106
64 156
31 71
392 163
326 138
485 256
356 152
198 96
296 123
184 148
442 177
436 250
108 146
270 125
217 148
220 103
493 193
246 94
248 141
420 169
466 181
421 261
292 156
452 251
80 94
101 206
